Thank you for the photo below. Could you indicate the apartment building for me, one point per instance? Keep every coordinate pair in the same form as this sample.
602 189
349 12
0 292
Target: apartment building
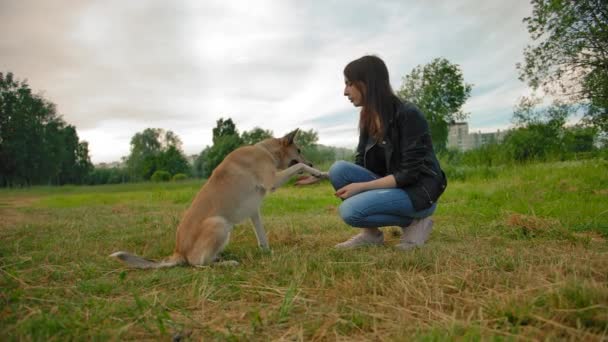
460 138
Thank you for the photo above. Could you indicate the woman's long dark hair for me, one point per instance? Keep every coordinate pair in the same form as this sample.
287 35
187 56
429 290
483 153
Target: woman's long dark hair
379 100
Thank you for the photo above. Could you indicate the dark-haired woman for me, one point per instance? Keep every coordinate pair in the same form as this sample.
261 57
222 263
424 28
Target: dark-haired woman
396 178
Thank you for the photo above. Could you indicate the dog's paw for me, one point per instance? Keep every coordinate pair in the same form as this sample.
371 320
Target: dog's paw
322 175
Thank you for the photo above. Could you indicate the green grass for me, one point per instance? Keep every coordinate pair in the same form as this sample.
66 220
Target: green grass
516 253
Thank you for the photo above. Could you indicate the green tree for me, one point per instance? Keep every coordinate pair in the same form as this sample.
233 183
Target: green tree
439 90
307 139
36 145
156 149
224 128
580 138
256 135
160 176
539 132
107 176
569 56
226 139
173 161
74 157
145 147
82 165
221 148
527 113
198 169
311 150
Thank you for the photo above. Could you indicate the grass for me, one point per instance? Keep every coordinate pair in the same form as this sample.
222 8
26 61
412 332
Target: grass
516 254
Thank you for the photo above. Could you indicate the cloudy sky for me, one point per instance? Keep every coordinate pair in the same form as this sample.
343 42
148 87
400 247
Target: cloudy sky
116 67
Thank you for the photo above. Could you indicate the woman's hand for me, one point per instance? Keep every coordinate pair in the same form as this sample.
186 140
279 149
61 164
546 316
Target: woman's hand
306 180
350 190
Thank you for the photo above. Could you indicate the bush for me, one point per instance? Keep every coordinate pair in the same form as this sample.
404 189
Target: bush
466 172
179 177
161 176
107 176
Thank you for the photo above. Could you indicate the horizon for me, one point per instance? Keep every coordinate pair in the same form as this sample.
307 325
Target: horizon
114 69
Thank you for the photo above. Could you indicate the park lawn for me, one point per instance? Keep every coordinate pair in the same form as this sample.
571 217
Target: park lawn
516 253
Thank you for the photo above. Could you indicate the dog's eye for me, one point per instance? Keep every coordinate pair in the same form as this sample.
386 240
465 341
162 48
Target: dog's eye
299 151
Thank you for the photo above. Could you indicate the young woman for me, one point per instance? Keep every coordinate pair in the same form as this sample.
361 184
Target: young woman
396 178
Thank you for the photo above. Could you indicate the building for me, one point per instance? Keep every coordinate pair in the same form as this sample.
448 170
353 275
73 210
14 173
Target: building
110 165
460 138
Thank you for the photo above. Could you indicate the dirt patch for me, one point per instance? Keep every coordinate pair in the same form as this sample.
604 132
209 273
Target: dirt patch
10 217
18 202
593 236
531 223
601 192
566 186
10 213
331 209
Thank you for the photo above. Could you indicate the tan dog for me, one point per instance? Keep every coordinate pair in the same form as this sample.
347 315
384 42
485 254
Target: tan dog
233 193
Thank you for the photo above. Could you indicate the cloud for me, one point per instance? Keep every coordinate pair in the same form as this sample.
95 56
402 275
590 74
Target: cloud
115 68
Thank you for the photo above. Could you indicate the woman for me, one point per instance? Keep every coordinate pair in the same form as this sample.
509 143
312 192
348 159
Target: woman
396 178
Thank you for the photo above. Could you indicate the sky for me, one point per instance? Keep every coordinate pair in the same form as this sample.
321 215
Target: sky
115 67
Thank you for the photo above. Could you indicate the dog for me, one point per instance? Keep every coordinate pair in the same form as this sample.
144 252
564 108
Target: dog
233 193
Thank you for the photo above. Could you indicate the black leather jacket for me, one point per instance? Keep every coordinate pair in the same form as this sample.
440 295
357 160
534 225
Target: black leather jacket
409 155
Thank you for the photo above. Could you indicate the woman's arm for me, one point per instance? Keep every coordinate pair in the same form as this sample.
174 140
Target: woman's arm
415 142
352 189
380 183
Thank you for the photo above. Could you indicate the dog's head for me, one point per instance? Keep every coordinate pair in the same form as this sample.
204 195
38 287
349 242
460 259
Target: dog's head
287 152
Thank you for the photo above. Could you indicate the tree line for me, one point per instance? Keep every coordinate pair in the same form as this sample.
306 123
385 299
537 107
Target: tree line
157 154
36 145
540 135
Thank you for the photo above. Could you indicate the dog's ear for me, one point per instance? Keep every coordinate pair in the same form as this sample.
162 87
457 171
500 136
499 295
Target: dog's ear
288 138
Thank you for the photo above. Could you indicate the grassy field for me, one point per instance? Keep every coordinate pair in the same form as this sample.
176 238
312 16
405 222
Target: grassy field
516 254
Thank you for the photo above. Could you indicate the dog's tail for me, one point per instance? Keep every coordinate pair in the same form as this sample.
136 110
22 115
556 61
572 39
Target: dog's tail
139 262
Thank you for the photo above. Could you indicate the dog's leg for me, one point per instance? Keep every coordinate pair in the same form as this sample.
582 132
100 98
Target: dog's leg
283 176
213 237
259 230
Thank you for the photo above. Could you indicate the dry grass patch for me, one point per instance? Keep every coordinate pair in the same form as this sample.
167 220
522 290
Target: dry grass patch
497 266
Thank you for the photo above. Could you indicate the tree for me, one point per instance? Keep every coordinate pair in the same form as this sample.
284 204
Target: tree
145 148
82 165
580 138
311 150
36 145
256 135
173 161
221 148
539 132
224 128
526 113
198 169
225 140
156 149
569 57
439 90
307 139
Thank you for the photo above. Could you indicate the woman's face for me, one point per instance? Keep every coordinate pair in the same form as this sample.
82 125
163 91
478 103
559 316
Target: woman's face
353 93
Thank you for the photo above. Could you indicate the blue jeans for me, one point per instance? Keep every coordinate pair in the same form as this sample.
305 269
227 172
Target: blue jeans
373 208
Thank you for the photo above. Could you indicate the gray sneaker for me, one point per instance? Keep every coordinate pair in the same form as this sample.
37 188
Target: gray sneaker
362 239
416 234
